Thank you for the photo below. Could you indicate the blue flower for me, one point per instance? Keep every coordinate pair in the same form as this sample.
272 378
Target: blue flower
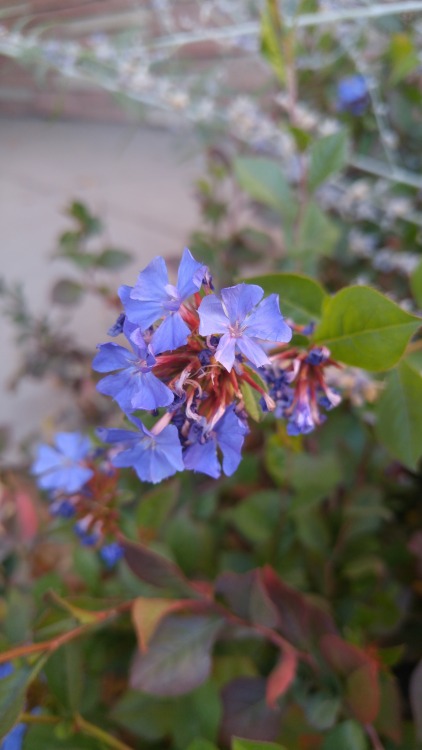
153 457
352 95
243 320
14 740
228 434
301 420
62 467
111 554
153 298
6 669
86 531
134 386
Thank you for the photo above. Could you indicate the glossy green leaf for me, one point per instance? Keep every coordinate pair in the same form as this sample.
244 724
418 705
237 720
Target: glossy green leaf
178 657
416 284
301 298
327 156
399 418
13 693
346 736
365 329
65 676
265 182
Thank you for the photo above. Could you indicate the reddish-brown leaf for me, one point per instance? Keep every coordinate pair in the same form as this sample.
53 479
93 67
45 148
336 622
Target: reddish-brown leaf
281 677
363 693
155 569
26 515
301 621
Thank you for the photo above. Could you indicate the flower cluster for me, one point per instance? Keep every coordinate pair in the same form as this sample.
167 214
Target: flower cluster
81 483
189 360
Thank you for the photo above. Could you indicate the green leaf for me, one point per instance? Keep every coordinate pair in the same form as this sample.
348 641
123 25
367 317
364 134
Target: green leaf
301 297
264 181
48 738
143 715
65 675
113 259
13 693
155 505
322 710
313 478
200 744
251 398
404 57
256 517
399 418
271 40
327 156
88 223
416 284
318 234
66 292
346 736
365 329
178 657
239 744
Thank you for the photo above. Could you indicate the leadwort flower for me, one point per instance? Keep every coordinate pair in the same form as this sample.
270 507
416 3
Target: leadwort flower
194 357
63 467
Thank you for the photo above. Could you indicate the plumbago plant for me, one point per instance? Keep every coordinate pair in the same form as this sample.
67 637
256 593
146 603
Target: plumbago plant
240 603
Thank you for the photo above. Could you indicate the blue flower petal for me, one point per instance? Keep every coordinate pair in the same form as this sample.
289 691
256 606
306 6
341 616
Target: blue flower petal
252 351
114 435
239 300
151 393
14 740
212 316
203 458
73 445
153 457
47 458
150 290
172 333
231 433
190 275
226 351
266 322
112 357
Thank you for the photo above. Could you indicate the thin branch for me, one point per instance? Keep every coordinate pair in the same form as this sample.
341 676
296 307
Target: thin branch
374 737
91 730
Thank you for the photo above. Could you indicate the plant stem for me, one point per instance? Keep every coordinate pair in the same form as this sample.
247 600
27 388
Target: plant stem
39 719
54 643
100 734
373 736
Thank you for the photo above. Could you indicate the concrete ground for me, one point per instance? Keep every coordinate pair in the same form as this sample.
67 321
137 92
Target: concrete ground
139 181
